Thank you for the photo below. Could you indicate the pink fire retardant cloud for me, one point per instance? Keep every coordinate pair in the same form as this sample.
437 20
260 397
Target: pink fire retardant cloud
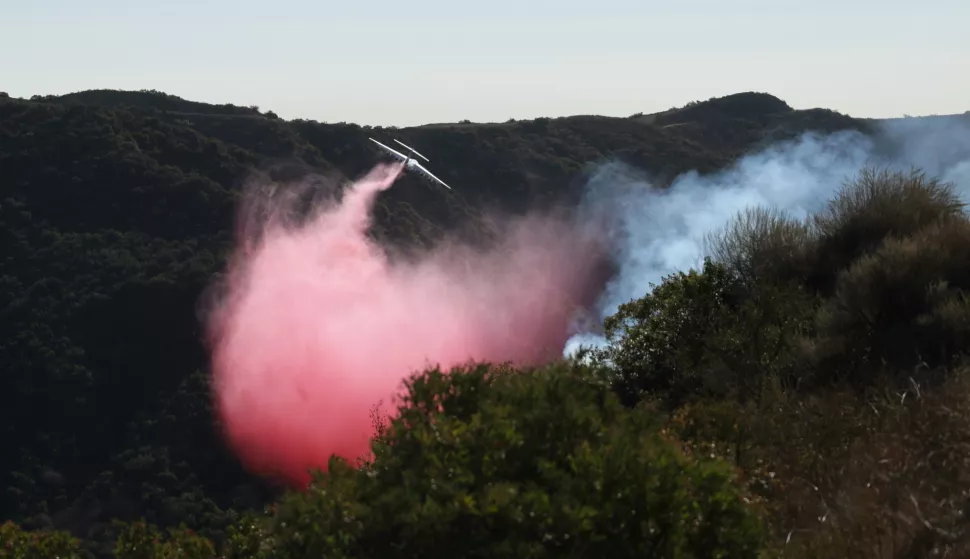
317 325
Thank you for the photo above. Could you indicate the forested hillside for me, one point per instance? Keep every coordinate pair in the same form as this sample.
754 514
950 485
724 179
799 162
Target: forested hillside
784 375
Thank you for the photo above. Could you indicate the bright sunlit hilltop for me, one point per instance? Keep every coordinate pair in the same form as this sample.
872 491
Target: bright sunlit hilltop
392 63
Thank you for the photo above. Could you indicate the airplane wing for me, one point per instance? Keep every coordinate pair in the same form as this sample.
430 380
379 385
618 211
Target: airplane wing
392 151
428 174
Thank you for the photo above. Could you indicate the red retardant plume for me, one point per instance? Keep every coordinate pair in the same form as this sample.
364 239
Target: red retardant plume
317 325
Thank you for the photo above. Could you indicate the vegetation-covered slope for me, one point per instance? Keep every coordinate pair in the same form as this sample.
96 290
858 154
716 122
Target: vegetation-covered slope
115 210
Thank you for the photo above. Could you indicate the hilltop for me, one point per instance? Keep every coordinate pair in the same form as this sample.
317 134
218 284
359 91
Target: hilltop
117 209
513 165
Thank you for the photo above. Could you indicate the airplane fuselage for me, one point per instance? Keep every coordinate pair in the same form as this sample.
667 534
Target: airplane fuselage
409 161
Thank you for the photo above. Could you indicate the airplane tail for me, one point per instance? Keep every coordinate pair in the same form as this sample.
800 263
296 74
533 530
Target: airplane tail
412 150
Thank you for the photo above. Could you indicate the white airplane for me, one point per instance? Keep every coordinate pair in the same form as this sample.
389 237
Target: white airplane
410 162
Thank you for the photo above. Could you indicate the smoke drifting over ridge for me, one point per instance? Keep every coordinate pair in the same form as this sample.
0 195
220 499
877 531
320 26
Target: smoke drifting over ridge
658 232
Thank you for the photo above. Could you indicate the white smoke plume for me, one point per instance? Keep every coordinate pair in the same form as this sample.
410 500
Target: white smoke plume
661 231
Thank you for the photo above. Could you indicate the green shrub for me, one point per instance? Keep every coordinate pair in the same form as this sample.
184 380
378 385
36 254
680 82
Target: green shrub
17 543
762 244
491 462
883 269
705 334
902 306
250 538
660 344
139 540
873 207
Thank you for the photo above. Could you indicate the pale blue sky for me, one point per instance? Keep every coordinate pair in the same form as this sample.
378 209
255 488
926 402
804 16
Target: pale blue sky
401 63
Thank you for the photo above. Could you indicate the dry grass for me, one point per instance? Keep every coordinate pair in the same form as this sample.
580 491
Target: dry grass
839 475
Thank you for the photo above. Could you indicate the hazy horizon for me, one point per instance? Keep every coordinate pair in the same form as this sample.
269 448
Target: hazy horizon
406 64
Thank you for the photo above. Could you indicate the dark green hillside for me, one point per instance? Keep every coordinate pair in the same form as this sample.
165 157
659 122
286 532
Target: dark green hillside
115 211
734 123
149 100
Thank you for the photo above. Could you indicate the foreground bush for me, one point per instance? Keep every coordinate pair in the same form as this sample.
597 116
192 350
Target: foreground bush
762 244
705 334
16 543
903 305
248 538
877 205
488 462
140 540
